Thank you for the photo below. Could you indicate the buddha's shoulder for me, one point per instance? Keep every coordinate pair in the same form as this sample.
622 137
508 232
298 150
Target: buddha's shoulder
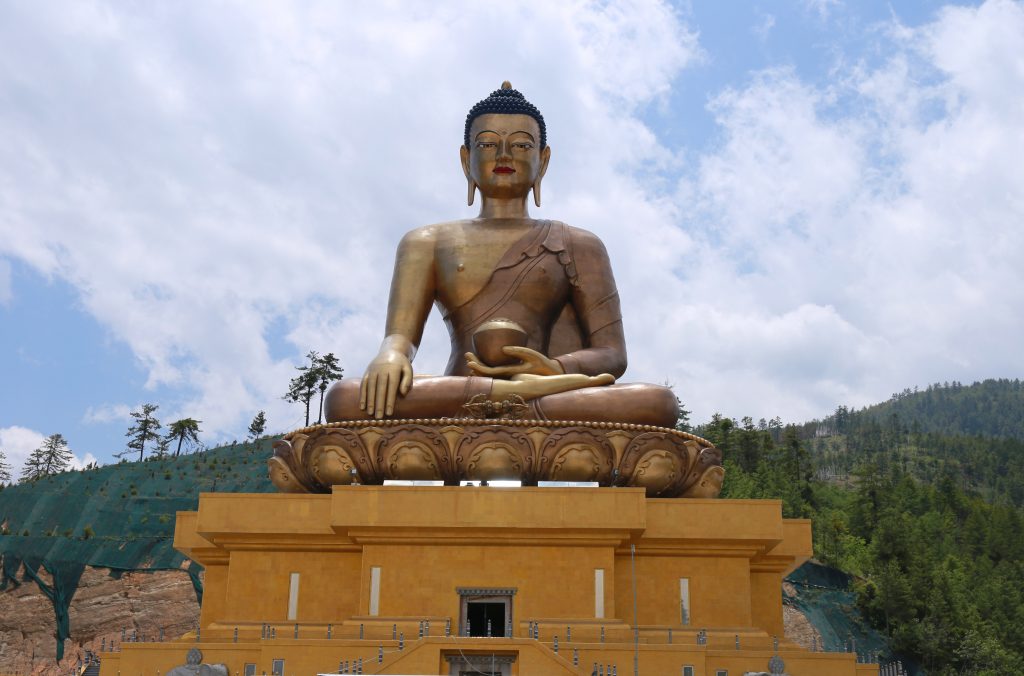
434 232
583 238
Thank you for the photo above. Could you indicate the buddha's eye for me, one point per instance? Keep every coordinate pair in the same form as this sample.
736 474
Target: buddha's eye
486 144
522 146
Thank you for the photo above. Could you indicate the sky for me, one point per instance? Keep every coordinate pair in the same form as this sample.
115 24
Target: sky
806 203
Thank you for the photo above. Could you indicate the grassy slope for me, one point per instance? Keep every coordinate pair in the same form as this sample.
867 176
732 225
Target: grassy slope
131 499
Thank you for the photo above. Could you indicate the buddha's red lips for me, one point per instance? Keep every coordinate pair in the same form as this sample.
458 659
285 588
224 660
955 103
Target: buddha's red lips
504 170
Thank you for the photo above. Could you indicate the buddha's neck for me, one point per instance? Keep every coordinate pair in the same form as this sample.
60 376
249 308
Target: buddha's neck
504 208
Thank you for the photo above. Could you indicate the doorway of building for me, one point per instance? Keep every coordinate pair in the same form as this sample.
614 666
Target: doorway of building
485 618
486 611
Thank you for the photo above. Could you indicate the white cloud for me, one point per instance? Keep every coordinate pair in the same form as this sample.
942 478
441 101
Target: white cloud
823 8
77 463
863 237
106 413
6 291
17 443
763 28
201 177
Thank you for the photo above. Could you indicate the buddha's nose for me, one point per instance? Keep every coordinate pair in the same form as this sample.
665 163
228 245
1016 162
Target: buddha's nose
504 150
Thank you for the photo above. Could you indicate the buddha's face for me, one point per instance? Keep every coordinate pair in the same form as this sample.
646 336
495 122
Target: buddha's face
504 158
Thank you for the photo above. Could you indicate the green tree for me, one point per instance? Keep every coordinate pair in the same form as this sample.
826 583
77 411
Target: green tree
163 448
258 426
302 388
797 462
52 457
328 370
752 444
683 421
184 431
145 430
5 468
719 432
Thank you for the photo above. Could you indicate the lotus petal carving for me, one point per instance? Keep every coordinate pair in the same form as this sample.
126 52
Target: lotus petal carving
665 462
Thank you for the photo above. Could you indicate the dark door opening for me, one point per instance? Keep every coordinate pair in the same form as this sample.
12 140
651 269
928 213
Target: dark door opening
486 618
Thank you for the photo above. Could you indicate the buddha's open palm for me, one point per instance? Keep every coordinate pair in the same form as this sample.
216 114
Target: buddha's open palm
387 376
531 362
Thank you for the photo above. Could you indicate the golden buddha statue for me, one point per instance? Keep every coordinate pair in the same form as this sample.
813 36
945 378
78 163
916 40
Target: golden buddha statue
537 343
552 280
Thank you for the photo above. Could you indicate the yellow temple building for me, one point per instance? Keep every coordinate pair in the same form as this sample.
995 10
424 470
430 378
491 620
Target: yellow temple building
492 580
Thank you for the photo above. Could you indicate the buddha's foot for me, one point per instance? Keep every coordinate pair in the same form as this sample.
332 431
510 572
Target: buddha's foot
665 462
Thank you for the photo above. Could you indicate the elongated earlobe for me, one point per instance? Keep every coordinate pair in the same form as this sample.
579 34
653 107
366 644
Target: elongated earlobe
545 157
472 193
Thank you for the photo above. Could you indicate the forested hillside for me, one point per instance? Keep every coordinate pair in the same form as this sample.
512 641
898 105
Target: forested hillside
992 408
925 515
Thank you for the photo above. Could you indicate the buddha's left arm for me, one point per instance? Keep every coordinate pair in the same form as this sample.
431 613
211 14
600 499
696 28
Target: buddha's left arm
596 301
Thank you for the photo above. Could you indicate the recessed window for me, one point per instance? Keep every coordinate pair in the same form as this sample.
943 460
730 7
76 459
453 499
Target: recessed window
722 672
374 591
688 670
293 596
684 600
277 668
250 669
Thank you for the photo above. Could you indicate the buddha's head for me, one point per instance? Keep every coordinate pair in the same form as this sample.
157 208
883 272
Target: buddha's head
505 151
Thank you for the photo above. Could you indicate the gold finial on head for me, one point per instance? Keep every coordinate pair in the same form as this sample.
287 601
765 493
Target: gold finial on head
506 85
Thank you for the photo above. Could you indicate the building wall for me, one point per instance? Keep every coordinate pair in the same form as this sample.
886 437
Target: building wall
544 543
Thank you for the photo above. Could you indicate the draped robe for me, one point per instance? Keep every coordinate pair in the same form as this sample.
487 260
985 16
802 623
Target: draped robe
556 282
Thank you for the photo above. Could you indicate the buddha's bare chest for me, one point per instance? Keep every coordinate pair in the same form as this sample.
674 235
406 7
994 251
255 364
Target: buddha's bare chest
465 258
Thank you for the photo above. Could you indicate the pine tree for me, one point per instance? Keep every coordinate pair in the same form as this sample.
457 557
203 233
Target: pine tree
145 430
258 426
163 448
328 370
5 468
51 458
185 431
303 387
683 420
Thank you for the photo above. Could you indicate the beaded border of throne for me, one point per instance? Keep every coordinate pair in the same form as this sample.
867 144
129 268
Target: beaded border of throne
444 422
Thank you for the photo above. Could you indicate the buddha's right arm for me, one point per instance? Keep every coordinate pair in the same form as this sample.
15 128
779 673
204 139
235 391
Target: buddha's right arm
412 294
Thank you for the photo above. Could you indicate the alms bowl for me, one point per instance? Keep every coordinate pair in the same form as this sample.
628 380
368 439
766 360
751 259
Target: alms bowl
495 334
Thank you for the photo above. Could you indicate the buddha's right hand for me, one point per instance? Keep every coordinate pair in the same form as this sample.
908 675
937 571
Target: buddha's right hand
387 376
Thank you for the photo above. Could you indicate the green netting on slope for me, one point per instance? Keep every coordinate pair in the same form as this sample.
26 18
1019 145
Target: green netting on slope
119 517
825 597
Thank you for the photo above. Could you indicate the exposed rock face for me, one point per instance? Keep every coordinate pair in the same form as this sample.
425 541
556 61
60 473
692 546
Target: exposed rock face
27 627
138 601
798 628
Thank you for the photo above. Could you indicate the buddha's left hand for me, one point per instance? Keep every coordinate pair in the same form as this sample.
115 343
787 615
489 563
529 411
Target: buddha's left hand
531 361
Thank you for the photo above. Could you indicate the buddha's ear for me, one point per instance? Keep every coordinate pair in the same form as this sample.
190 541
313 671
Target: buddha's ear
464 156
545 157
